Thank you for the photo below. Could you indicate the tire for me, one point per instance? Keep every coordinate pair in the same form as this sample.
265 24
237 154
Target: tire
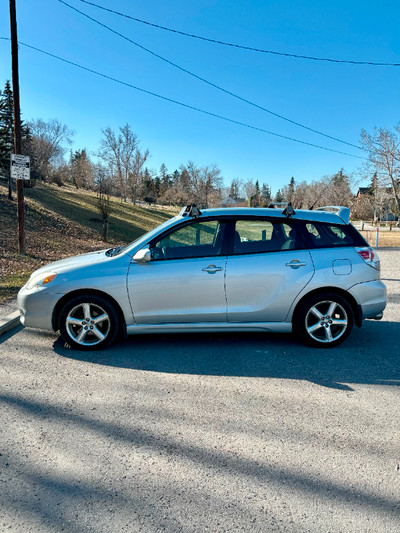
324 320
88 322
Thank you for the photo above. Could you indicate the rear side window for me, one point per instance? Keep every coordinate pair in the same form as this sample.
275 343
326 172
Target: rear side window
259 236
320 235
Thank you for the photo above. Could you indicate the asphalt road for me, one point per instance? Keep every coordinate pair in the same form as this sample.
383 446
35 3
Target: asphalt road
196 433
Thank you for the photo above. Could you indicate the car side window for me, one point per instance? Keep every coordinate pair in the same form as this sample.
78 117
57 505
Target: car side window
259 236
199 239
321 235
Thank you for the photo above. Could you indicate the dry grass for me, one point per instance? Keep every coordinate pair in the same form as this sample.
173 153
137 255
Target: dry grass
386 238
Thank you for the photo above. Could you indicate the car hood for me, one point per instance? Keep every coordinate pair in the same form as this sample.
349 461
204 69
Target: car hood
73 262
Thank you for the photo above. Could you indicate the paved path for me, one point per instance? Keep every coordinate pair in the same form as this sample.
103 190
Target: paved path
195 433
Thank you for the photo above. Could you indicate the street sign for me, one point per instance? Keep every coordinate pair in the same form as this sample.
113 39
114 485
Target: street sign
20 167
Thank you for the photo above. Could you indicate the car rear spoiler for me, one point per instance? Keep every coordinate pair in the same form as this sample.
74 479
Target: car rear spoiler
342 212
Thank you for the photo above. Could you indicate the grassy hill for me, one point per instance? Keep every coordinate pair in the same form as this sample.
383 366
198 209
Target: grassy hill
60 222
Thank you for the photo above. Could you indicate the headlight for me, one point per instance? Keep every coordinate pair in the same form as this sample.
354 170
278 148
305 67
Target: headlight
40 279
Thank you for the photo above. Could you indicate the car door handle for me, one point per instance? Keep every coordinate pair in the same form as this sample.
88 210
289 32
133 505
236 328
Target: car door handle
211 269
295 263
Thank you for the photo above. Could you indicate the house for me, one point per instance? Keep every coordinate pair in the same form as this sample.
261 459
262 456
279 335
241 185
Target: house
362 192
377 204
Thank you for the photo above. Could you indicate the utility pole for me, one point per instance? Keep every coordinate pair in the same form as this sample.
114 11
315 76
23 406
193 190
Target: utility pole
17 125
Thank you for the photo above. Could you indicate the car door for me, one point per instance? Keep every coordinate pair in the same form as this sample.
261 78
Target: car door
267 267
184 281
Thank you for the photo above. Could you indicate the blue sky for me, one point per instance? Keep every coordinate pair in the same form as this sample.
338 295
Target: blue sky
336 99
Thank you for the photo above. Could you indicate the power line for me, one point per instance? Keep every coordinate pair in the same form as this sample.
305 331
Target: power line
188 106
226 91
243 47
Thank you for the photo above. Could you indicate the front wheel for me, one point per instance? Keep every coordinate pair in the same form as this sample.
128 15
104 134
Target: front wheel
324 320
88 322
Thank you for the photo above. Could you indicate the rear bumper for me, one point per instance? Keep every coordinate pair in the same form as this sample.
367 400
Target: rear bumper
371 298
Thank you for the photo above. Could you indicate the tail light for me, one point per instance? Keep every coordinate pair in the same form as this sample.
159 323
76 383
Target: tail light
369 255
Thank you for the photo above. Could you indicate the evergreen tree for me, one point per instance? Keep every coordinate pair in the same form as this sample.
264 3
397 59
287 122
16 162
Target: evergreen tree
278 196
7 129
148 187
257 195
6 132
163 171
265 195
340 189
374 184
6 120
81 170
157 187
165 180
175 178
291 189
184 181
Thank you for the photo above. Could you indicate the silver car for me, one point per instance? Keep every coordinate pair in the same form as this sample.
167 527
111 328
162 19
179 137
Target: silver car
235 269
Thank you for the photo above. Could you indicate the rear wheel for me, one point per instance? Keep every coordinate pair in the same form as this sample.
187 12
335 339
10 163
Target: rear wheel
88 322
324 320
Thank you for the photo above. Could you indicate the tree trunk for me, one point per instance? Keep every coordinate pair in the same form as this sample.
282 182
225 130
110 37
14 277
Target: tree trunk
105 230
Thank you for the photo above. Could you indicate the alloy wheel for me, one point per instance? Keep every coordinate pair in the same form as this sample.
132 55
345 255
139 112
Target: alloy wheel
88 324
326 321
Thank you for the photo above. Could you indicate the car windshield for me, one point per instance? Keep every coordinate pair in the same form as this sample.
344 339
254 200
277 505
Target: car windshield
143 239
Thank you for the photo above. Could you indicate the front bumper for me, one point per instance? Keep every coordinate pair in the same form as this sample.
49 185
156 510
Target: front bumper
371 297
36 307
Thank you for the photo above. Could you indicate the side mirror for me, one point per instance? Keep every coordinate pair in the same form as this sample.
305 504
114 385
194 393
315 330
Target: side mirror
142 256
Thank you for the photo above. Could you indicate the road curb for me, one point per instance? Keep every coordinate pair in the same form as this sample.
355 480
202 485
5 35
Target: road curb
9 322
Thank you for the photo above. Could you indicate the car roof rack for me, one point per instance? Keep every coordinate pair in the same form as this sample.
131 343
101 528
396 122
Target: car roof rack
191 210
342 212
289 211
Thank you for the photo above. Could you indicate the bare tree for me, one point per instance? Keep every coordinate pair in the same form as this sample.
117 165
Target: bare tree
300 194
204 183
118 151
329 190
235 190
191 182
211 185
363 209
136 174
339 190
174 195
383 148
58 174
249 189
46 144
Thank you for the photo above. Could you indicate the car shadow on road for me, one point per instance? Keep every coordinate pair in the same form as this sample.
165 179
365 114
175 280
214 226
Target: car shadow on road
371 355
